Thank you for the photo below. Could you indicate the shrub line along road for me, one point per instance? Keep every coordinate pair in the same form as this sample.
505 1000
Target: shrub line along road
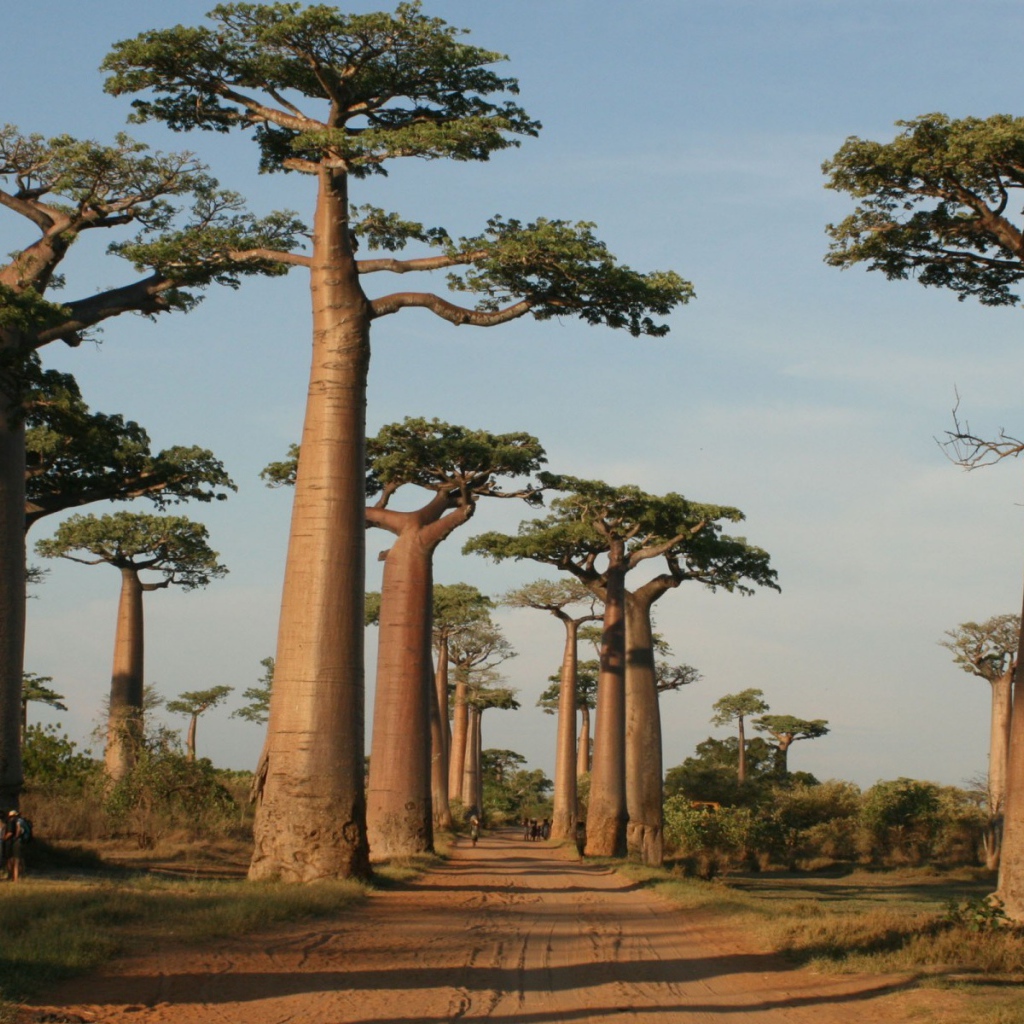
511 932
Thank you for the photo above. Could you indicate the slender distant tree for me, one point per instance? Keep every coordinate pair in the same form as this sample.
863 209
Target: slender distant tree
475 653
170 220
786 730
737 707
989 650
941 203
586 699
555 597
258 696
626 527
76 457
35 688
195 703
457 607
481 694
172 548
339 96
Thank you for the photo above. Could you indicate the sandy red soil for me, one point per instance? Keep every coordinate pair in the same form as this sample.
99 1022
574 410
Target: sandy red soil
510 932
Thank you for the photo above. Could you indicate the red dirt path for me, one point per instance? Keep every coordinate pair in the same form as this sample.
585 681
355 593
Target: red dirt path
509 932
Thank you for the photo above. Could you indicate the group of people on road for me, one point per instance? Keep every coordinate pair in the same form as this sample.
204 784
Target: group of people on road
16 833
534 829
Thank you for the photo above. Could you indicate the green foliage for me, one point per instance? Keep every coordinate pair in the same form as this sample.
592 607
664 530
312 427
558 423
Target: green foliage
197 702
258 696
976 914
987 649
737 706
714 837
561 268
172 546
399 85
510 791
75 457
36 689
53 761
586 688
934 204
902 819
711 775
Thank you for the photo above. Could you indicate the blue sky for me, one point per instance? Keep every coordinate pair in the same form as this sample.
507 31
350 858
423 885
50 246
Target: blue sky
693 134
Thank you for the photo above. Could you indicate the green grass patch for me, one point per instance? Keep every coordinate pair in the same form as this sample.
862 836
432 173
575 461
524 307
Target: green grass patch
55 929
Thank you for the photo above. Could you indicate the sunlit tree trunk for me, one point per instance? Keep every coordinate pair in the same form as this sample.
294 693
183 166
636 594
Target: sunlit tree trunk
1011 861
643 733
563 815
606 814
12 593
741 773
583 747
124 722
399 819
460 730
438 760
471 781
999 746
311 811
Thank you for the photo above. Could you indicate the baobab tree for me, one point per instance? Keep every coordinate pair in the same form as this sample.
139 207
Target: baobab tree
737 707
786 730
173 548
989 650
555 597
625 527
457 607
75 457
338 96
195 703
65 190
481 694
475 653
941 203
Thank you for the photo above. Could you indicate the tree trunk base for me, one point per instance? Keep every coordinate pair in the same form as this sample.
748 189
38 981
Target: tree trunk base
645 843
606 837
399 835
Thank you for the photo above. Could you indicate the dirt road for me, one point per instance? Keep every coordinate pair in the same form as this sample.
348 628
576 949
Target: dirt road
509 932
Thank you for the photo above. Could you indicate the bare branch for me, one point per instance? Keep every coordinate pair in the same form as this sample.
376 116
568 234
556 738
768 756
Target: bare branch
969 451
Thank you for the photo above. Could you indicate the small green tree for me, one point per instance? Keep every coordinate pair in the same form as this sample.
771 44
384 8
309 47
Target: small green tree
195 703
37 688
786 730
173 548
736 707
258 696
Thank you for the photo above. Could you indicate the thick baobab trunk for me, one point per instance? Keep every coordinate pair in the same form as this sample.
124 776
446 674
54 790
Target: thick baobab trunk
999 747
782 757
12 594
124 724
606 814
1011 861
583 746
472 789
440 741
564 811
399 820
460 732
311 811
643 736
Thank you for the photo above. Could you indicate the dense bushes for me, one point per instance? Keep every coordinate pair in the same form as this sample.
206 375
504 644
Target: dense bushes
68 796
899 822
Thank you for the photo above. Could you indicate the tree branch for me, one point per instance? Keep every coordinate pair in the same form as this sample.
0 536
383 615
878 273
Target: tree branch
457 315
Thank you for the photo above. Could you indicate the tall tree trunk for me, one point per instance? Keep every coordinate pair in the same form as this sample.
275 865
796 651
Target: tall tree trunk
190 739
782 758
563 815
741 772
399 819
440 742
460 731
12 591
124 723
606 815
438 763
643 733
998 754
471 782
311 810
583 746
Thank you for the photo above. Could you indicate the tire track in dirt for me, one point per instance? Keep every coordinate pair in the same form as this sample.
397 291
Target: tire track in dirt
509 932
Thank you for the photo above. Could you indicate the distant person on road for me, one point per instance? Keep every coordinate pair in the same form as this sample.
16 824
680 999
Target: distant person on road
545 829
581 837
474 829
14 836
526 828
534 829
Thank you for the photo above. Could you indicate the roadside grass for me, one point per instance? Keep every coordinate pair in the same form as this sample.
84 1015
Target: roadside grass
935 926
57 927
